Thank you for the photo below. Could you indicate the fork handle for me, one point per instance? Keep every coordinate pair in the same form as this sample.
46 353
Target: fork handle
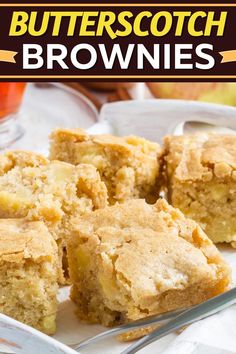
197 313
141 323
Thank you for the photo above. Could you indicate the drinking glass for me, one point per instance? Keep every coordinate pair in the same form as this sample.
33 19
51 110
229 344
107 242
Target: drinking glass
11 94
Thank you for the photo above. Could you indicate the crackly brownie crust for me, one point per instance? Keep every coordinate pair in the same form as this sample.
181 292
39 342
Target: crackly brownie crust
201 156
201 178
29 273
53 191
50 192
132 260
128 165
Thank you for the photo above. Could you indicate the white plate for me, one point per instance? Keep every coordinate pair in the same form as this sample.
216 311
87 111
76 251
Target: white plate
153 119
16 338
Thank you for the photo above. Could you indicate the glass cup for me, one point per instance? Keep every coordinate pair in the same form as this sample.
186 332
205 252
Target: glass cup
11 94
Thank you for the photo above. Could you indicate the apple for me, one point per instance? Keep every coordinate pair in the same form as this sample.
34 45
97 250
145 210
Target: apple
214 92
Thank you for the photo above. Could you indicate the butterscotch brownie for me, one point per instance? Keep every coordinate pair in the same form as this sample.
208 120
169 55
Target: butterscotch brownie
28 273
201 176
133 260
52 192
128 165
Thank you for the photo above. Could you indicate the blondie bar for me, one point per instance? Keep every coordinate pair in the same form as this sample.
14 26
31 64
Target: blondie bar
52 192
128 165
201 179
28 273
133 260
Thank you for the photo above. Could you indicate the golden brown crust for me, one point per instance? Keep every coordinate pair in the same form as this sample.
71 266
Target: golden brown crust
128 143
28 273
52 192
128 165
132 260
74 135
21 239
201 156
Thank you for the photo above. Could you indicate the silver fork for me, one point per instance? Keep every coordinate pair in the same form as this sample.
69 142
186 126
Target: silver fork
141 323
176 320
206 309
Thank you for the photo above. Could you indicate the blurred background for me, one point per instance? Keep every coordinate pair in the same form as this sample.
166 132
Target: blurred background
30 111
214 92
